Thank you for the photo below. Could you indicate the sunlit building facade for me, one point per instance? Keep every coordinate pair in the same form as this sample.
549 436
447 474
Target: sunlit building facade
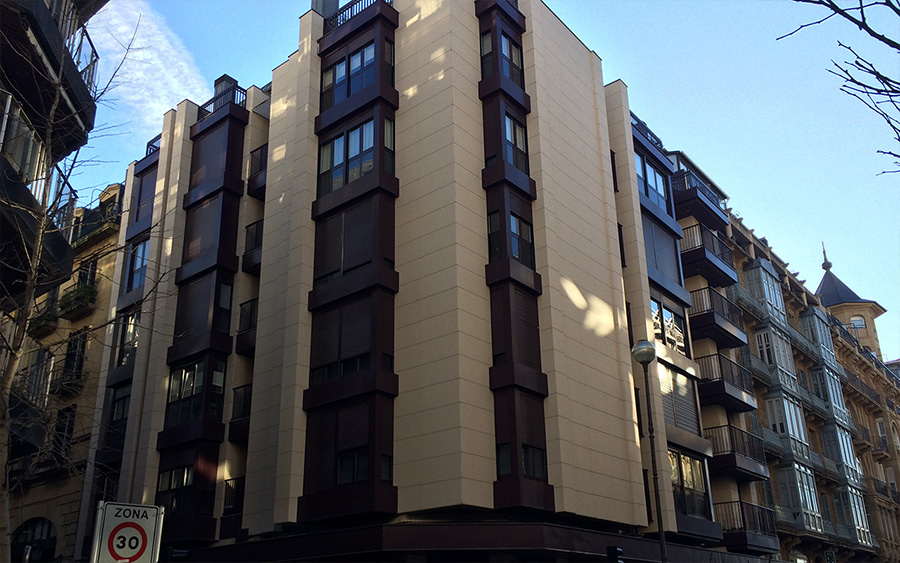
382 308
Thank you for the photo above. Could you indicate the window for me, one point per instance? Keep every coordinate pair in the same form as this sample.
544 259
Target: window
765 286
353 466
222 314
341 341
495 236
669 325
334 84
809 498
389 146
362 68
522 244
689 484
87 273
174 489
145 191
511 59
337 167
137 265
679 398
344 243
534 461
185 401
652 181
73 364
487 69
516 148
389 58
40 535
857 321
128 337
118 418
62 433
258 160
504 465
338 84
661 249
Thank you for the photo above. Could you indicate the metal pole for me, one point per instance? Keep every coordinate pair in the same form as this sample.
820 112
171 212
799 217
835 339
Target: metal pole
663 555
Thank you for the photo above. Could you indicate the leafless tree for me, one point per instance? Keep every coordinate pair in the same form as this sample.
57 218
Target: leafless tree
877 88
48 177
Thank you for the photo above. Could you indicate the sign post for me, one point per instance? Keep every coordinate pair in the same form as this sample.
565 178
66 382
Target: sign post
127 533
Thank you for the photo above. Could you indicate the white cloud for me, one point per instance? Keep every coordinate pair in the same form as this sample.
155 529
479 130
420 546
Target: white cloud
158 73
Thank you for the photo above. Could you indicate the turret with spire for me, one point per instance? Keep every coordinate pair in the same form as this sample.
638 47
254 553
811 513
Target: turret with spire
854 312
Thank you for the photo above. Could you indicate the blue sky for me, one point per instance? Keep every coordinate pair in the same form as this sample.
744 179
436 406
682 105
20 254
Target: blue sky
763 118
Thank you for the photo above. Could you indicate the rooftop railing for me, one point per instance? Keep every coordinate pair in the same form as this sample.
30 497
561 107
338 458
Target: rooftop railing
698 236
708 299
641 126
686 180
231 95
94 219
153 144
343 15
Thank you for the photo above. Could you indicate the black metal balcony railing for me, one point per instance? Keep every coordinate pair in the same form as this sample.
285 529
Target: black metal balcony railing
241 406
708 299
641 126
880 487
154 144
254 236
863 387
249 312
685 180
92 220
730 439
718 366
740 516
698 236
343 15
259 159
231 95
78 41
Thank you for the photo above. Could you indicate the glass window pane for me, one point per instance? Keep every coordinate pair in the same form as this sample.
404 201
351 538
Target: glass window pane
325 157
389 134
338 151
509 129
340 72
353 143
370 54
355 62
328 78
485 43
368 135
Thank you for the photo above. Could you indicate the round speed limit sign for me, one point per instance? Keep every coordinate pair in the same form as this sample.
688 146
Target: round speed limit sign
127 533
127 542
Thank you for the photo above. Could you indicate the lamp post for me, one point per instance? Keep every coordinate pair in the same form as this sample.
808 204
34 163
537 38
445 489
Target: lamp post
643 353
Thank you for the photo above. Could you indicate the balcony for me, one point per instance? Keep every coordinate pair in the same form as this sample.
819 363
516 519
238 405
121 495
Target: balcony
46 53
78 301
830 468
863 439
703 253
154 145
693 198
772 442
860 389
245 343
723 382
343 15
880 451
45 322
252 259
713 316
95 224
232 512
879 487
736 452
68 379
758 368
256 181
233 94
803 344
747 528
239 425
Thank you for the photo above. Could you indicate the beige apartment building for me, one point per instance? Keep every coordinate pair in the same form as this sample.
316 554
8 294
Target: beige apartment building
382 308
55 393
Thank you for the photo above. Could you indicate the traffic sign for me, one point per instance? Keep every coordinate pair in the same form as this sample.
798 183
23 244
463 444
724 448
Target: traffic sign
127 533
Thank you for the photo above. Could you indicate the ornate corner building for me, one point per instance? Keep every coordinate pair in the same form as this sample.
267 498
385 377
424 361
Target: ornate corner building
382 308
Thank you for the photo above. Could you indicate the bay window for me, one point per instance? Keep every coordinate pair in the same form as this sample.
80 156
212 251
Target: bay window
516 145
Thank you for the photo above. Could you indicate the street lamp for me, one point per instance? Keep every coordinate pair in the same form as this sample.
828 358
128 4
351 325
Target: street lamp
643 353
